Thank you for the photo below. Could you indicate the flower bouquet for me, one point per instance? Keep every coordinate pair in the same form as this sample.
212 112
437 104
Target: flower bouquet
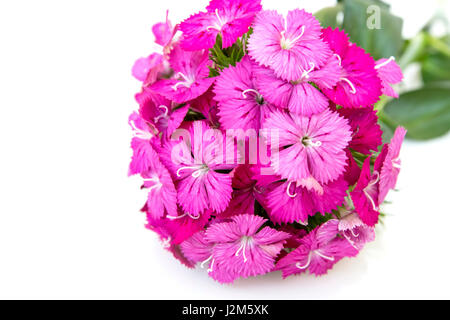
257 141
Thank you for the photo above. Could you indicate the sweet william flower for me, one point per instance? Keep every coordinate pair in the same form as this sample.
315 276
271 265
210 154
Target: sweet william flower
164 34
241 106
359 85
309 146
198 169
243 247
309 93
318 251
161 113
228 18
288 46
191 76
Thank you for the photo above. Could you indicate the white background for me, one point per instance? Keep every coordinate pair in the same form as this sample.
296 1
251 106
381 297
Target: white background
70 225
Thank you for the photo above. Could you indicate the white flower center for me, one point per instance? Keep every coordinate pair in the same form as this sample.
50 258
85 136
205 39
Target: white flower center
286 43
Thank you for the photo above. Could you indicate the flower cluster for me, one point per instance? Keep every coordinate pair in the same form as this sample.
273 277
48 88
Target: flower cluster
258 142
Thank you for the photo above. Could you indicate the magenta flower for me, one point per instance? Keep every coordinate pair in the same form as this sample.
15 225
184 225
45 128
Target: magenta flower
229 18
318 251
287 203
290 46
388 163
365 195
162 196
367 132
359 85
242 248
309 146
162 114
390 73
241 106
148 69
251 156
191 76
355 231
144 155
164 34
198 170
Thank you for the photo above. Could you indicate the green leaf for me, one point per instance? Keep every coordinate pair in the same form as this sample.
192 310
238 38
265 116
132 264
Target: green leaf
328 17
436 67
380 43
425 113
223 58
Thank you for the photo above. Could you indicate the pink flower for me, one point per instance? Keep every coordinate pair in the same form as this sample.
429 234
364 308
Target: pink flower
148 69
355 231
365 195
287 203
191 78
162 196
366 130
160 112
229 18
241 106
198 169
242 248
390 73
359 85
144 156
310 146
318 251
388 163
288 46
164 34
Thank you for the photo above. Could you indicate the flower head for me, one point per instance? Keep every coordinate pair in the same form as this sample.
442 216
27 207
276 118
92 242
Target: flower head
243 247
241 106
318 251
191 76
228 18
359 85
164 34
310 146
198 168
288 46
162 114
